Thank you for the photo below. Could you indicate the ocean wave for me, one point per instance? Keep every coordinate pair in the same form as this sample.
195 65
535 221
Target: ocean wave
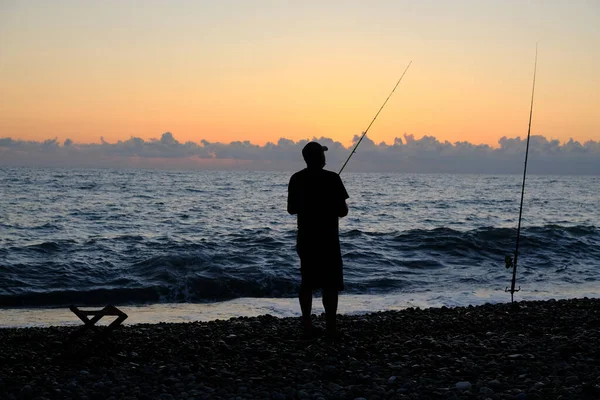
491 238
261 262
50 247
193 289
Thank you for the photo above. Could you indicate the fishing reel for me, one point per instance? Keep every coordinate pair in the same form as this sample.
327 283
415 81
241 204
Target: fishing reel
508 261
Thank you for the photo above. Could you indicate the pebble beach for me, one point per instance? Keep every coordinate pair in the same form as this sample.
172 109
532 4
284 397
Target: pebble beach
526 350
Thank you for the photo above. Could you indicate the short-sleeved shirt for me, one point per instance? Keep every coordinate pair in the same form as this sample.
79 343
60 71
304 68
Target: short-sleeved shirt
316 195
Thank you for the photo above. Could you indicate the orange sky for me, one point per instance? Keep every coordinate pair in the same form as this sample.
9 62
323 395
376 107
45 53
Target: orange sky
262 70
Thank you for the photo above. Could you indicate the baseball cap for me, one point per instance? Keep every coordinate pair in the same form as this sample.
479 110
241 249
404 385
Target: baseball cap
312 150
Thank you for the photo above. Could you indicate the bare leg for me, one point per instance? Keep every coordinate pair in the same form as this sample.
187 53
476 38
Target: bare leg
330 303
306 297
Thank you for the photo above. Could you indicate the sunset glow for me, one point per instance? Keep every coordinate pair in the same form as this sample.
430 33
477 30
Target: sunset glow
261 70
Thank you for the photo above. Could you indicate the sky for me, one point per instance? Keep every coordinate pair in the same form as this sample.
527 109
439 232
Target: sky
236 70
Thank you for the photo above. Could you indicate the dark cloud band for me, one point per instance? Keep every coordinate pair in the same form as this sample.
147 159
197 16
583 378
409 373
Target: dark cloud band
406 154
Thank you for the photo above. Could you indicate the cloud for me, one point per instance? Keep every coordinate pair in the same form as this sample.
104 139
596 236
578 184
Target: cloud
404 154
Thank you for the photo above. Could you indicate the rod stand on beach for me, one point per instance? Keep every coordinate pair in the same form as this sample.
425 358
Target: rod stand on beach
374 118
90 323
512 262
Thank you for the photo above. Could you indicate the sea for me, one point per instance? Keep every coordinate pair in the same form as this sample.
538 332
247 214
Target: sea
180 246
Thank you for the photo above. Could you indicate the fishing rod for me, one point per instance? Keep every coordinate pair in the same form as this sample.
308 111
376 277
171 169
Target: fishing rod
513 263
365 132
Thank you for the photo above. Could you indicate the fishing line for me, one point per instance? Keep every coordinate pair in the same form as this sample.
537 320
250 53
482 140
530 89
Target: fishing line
366 130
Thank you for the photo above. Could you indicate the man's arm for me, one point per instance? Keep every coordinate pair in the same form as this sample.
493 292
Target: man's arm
342 208
292 208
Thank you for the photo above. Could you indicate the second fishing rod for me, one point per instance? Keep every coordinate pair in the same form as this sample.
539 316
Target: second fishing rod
512 262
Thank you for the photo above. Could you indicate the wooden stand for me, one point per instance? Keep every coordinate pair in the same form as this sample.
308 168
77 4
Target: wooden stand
90 324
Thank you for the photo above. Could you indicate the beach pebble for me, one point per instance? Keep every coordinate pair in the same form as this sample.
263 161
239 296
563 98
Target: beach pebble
333 387
463 385
26 391
172 380
330 370
277 396
571 380
495 385
486 391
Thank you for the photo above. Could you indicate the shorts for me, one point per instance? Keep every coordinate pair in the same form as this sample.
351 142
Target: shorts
322 271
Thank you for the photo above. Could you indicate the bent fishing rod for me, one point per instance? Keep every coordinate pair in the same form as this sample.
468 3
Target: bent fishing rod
513 263
374 118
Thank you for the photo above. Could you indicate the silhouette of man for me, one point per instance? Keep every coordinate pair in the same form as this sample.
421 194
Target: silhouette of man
318 197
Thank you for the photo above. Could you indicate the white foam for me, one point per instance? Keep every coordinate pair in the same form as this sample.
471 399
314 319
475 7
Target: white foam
288 307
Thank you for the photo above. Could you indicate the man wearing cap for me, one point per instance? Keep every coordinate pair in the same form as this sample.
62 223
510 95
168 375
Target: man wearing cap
318 198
